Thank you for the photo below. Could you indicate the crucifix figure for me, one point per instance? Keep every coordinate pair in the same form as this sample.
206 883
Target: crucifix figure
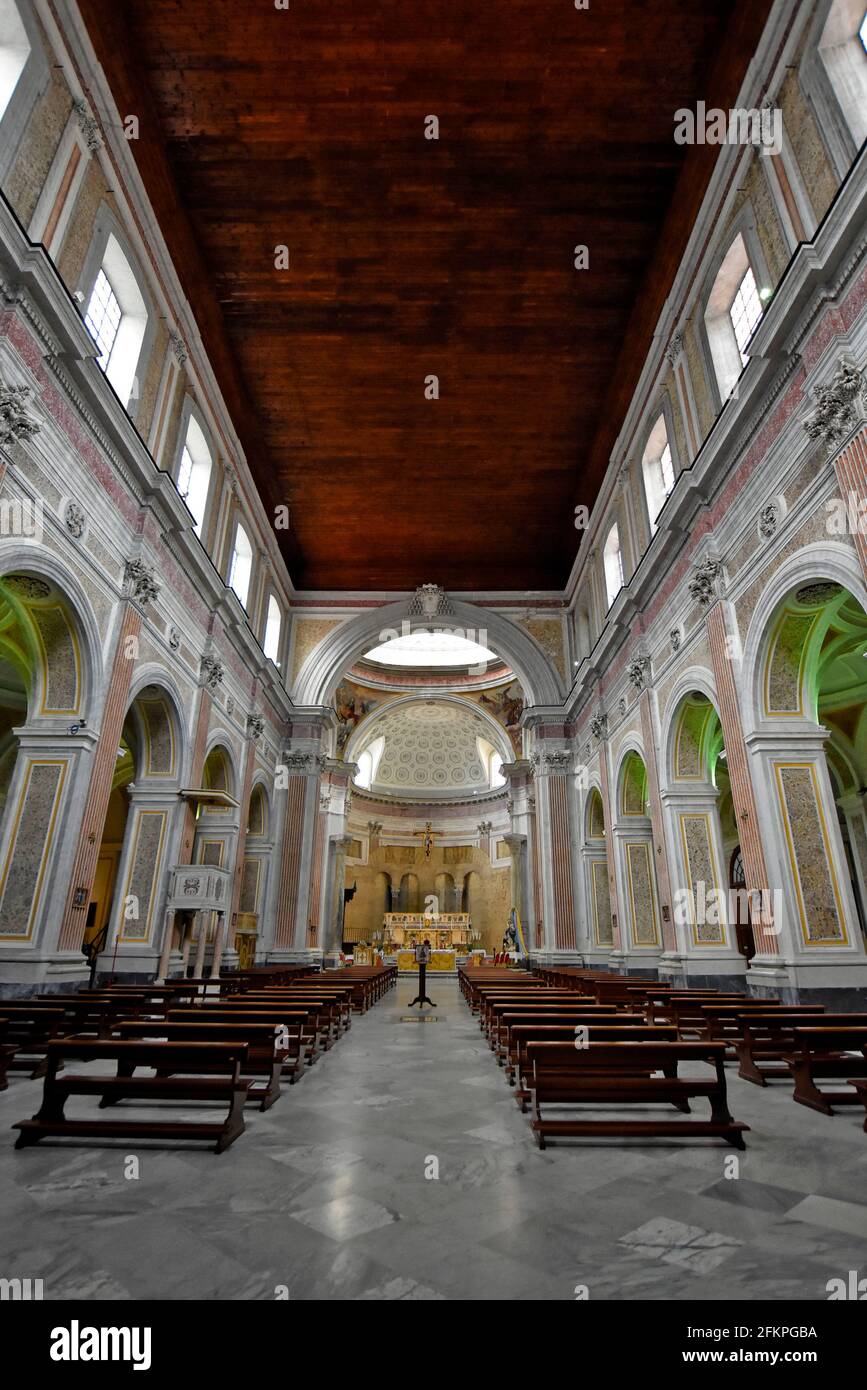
428 835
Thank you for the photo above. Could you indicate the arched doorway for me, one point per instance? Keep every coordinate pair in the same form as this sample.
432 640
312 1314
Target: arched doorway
810 681
124 913
695 800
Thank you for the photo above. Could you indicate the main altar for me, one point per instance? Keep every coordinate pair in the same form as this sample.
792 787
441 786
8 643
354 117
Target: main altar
448 933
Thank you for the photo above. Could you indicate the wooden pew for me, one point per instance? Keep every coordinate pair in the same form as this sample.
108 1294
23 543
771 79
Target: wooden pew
725 1021
824 1051
609 1029
221 1081
768 1040
300 1026
29 1027
266 1051
502 1014
624 1074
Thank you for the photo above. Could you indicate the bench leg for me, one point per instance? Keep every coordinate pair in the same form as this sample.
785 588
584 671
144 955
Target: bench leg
234 1125
806 1091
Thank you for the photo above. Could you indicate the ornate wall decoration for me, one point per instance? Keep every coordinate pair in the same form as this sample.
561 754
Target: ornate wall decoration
842 406
769 520
702 586
174 638
74 520
675 347
16 422
810 855
27 586
212 672
703 879
599 724
638 671
430 601
255 725
603 926
178 346
230 705
642 895
140 582
675 637
621 706
88 125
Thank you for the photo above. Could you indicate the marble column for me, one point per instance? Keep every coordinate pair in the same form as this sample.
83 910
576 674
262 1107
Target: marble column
616 956
724 643
650 739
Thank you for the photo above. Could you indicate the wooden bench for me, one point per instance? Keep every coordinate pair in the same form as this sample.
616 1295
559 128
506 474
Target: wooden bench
266 1049
197 1060
525 1035
507 1014
768 1040
627 1073
726 1021
828 1051
298 1024
29 1028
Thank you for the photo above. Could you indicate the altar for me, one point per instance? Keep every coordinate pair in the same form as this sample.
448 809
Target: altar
439 961
446 931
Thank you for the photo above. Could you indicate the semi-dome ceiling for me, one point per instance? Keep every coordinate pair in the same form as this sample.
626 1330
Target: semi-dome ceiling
431 747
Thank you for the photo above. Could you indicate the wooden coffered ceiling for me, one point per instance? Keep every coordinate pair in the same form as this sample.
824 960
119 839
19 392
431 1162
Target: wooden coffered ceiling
409 257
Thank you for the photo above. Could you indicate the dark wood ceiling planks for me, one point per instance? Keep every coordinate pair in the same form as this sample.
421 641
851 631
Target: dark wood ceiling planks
409 257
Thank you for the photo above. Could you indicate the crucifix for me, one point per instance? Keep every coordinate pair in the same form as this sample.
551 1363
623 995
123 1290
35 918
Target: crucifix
428 835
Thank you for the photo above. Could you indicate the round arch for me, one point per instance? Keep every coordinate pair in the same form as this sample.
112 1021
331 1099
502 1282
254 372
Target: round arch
40 564
217 743
825 562
331 659
631 781
695 679
154 702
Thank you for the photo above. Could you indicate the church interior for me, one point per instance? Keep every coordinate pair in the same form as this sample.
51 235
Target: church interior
433 651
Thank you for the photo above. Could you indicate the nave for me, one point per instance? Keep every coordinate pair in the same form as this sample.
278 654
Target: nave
325 1195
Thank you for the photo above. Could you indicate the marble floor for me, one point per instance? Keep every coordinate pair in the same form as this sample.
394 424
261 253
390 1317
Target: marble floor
328 1195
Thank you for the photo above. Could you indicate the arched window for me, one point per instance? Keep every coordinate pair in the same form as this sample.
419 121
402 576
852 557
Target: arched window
658 470
842 51
14 51
613 562
497 778
364 775
733 310
241 565
117 318
273 626
194 474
